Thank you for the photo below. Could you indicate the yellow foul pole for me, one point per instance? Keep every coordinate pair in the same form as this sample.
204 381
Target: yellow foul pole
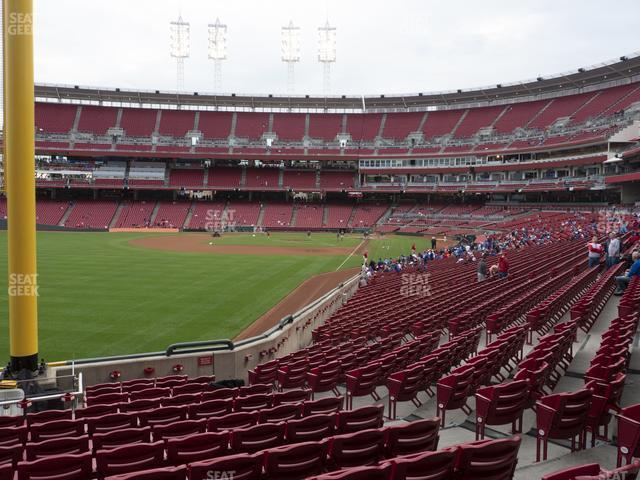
19 150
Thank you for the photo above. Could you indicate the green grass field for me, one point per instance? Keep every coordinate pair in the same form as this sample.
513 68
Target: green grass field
101 296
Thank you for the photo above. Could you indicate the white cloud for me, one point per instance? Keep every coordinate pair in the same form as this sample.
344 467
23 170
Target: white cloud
383 47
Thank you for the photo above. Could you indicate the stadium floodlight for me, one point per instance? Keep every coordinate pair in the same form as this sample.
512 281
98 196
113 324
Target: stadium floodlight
217 50
290 52
326 53
179 47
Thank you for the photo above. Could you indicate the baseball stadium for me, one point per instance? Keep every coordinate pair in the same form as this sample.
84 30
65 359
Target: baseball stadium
204 285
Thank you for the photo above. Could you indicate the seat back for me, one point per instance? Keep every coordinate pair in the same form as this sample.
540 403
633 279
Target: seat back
312 428
57 446
198 447
414 437
120 437
48 416
69 467
489 459
430 465
232 420
211 408
360 419
281 413
258 437
178 429
506 403
382 472
129 458
563 415
56 429
295 461
109 422
161 415
322 406
13 435
356 449
166 473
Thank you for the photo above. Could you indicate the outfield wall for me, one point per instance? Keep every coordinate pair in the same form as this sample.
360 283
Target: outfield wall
223 358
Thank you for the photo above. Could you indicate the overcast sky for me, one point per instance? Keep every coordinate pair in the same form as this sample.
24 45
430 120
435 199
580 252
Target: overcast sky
399 46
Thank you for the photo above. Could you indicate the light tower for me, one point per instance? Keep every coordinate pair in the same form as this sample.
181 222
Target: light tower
326 54
290 52
179 48
217 51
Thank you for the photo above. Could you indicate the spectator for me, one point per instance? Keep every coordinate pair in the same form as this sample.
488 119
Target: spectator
623 281
595 250
613 250
482 269
503 266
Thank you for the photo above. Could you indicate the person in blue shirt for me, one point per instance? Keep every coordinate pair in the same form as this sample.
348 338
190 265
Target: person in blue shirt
622 282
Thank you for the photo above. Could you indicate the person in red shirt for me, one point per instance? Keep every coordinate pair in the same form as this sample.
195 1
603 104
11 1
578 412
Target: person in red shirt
503 266
595 251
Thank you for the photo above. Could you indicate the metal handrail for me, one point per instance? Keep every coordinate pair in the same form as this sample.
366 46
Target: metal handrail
54 396
201 346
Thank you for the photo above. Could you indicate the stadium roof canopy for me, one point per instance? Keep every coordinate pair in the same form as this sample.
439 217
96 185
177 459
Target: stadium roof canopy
624 70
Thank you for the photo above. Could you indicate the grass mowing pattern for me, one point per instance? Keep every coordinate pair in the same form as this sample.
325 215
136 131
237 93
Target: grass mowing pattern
101 296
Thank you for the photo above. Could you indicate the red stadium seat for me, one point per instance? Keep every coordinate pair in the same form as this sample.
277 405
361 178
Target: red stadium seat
140 405
178 429
243 465
501 404
362 448
166 473
198 447
110 422
404 386
185 399
57 446
291 396
251 403
628 434
413 437
232 420
95 411
295 462
69 467
563 415
360 419
280 413
256 438
211 408
11 454
440 465
10 436
359 473
322 406
55 429
161 415
495 459
129 458
120 437
48 416
311 429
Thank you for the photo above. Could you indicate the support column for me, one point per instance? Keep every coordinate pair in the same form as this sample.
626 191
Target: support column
21 198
